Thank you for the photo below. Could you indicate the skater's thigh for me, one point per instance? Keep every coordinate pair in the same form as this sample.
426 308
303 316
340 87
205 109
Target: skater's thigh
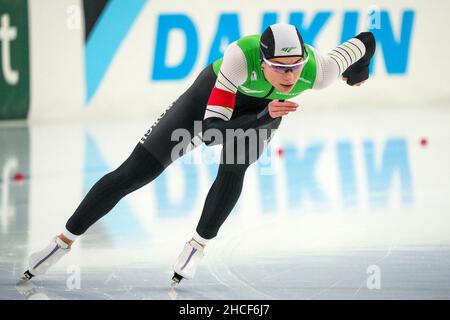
172 134
245 149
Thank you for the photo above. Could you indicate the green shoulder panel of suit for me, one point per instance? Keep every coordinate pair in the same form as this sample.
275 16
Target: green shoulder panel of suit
256 85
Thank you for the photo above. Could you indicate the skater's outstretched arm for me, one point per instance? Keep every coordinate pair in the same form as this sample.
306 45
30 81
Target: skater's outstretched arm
351 59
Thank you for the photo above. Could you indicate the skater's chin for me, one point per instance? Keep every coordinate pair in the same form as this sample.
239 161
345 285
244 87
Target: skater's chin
285 87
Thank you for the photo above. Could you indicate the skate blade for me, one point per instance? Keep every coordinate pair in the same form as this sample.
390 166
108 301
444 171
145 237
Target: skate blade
25 277
176 279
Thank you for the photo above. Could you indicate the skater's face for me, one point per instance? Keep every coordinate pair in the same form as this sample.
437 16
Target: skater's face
283 73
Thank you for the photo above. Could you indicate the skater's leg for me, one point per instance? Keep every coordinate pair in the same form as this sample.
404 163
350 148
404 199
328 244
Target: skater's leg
150 157
221 198
226 189
140 168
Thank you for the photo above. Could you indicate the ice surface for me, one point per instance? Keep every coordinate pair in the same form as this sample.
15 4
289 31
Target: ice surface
346 205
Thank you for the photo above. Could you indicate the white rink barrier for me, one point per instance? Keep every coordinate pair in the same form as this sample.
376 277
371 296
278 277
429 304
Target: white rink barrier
141 55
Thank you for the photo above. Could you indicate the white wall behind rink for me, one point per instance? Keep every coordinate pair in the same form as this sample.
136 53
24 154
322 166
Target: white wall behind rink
58 71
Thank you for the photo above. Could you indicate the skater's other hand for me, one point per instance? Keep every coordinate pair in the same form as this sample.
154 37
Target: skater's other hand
279 109
356 84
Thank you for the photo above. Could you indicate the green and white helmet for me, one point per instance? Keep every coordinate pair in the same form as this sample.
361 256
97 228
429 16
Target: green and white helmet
281 40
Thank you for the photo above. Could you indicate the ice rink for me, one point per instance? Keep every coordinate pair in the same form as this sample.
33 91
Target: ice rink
347 204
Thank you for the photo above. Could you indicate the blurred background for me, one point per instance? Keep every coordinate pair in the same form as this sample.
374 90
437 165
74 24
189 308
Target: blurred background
350 201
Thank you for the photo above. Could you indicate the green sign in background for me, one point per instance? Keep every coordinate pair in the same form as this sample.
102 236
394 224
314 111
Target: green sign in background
14 60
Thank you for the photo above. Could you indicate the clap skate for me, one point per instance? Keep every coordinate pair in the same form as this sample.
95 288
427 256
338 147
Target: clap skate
42 260
187 262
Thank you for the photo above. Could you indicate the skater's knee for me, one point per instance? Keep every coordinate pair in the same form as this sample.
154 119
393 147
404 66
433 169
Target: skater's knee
139 169
120 180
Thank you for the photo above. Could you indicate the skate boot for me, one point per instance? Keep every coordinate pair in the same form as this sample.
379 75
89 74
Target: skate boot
42 260
187 261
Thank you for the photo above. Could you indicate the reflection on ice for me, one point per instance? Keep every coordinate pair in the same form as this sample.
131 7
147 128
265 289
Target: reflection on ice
345 212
